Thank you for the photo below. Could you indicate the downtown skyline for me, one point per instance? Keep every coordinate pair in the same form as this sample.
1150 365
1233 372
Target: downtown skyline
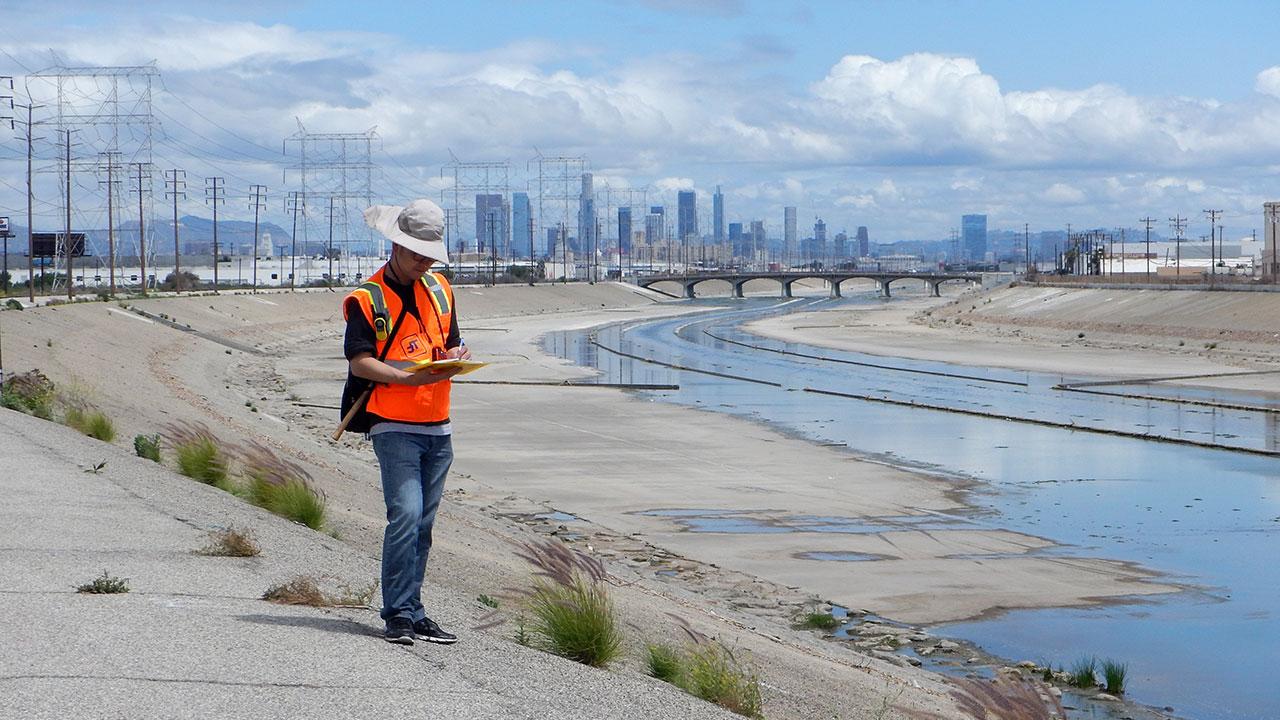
899 131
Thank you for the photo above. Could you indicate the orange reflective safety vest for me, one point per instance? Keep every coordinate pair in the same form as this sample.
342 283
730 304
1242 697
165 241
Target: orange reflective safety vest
413 342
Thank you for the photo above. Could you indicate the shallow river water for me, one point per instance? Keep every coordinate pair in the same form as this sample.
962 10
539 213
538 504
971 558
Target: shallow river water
1207 519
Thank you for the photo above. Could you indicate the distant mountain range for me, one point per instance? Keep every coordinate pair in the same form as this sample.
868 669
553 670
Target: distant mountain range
195 237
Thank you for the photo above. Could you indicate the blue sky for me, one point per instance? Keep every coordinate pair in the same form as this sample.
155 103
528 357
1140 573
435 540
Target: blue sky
896 115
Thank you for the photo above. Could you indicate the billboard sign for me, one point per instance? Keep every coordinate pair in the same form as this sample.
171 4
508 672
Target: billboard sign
4 226
46 245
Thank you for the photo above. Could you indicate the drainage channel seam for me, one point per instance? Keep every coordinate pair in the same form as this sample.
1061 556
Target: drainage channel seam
1046 423
864 364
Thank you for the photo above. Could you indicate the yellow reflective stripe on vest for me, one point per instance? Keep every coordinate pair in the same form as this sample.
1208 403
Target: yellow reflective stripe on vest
381 318
438 295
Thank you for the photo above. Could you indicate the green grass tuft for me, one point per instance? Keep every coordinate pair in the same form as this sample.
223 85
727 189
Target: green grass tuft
93 423
1084 673
1113 676
105 585
199 454
147 446
575 621
716 675
666 664
487 601
281 487
571 613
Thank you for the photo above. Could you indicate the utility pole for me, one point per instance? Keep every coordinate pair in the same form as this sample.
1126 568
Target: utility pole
215 193
138 177
1178 223
110 166
1026 249
66 238
1147 221
5 231
493 249
531 260
329 250
1213 258
292 205
31 276
175 183
257 191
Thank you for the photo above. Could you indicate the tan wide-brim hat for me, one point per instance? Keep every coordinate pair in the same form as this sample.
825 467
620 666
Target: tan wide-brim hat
418 226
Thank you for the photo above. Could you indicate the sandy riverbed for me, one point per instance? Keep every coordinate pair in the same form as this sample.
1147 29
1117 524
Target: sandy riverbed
599 454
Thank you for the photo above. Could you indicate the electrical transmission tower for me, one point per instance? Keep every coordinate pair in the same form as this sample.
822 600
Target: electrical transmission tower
558 185
111 109
625 198
477 182
337 168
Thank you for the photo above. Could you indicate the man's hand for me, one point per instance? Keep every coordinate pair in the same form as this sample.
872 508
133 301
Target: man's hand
457 353
427 377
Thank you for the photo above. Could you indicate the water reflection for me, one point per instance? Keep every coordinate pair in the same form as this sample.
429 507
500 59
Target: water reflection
1208 517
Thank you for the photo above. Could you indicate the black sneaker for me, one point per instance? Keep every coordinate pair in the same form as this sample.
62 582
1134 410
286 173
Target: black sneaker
399 630
427 629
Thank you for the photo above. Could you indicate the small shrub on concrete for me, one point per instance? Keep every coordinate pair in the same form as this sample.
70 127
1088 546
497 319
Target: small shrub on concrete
570 609
281 487
147 446
29 392
93 423
231 543
199 454
487 601
814 620
1113 676
105 584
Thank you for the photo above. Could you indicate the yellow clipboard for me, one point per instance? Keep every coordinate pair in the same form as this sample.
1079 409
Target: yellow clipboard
466 365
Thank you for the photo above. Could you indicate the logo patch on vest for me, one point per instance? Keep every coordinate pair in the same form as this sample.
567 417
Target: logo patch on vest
414 346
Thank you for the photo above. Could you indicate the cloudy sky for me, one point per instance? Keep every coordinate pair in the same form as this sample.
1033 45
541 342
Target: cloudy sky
897 115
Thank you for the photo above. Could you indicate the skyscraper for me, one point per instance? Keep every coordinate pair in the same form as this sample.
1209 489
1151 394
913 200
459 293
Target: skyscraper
736 240
717 216
624 230
842 243
686 216
973 232
759 241
789 246
655 226
587 215
864 242
521 227
819 239
491 221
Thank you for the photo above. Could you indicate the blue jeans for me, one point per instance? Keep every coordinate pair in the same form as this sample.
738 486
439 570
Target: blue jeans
413 470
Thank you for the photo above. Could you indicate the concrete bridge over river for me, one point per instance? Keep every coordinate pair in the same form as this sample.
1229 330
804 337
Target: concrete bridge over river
786 279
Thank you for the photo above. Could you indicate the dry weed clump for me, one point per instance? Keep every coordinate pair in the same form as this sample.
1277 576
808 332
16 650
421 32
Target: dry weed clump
231 542
305 590
1009 696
